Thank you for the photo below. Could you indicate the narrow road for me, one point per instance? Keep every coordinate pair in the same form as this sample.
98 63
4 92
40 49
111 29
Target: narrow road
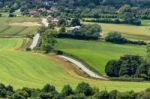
75 62
82 67
37 36
35 41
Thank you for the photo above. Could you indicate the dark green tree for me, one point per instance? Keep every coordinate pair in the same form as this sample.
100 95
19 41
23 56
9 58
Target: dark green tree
85 89
112 68
67 90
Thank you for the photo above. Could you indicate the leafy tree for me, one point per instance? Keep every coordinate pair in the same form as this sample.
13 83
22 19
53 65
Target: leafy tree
48 40
45 95
102 95
17 96
113 94
75 22
48 88
62 22
67 91
112 68
85 89
115 37
129 64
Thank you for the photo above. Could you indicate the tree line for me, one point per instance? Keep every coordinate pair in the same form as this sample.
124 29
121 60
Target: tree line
116 37
82 91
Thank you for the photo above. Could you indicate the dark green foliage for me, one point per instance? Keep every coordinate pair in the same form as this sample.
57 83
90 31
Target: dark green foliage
112 68
75 22
62 22
48 88
85 89
115 37
17 96
113 94
102 95
127 95
84 32
128 65
67 91
44 95
47 40
5 90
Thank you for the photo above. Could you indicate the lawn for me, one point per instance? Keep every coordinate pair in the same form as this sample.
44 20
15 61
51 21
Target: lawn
97 53
27 69
6 29
129 31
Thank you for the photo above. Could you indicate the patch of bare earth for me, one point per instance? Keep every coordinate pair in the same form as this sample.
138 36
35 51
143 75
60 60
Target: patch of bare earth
27 24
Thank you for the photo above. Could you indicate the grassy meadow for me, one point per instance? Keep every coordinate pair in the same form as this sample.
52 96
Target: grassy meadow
27 69
6 29
129 31
97 53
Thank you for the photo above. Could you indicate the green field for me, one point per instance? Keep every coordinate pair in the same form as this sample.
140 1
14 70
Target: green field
129 31
97 53
9 30
27 69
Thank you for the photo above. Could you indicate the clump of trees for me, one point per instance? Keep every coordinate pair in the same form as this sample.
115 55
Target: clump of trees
47 40
129 66
82 91
116 37
85 32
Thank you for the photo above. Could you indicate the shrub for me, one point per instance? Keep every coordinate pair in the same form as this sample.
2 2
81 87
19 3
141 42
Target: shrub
67 91
85 89
115 37
112 68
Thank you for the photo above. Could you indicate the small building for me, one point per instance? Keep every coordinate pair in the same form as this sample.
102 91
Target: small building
73 28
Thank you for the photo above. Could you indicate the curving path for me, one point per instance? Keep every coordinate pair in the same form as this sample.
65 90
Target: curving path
82 67
37 36
75 62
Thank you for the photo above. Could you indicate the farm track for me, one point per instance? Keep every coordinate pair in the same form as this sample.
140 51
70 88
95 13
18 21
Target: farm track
77 63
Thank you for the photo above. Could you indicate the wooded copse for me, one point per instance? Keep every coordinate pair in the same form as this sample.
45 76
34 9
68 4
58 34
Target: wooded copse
130 66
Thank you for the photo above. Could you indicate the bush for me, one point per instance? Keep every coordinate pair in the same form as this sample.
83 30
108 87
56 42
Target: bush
112 68
85 32
127 65
48 88
115 37
85 89
67 91
102 95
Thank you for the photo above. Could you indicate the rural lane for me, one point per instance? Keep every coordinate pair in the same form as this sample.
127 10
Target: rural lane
82 67
35 41
74 61
37 36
